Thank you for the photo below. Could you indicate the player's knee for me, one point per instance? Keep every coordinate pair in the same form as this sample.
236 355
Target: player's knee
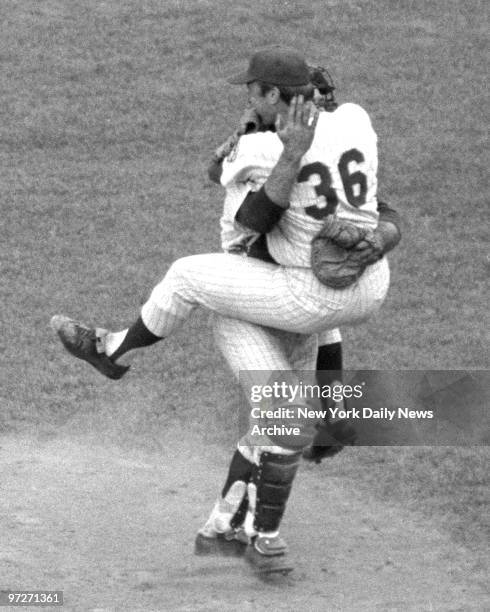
178 268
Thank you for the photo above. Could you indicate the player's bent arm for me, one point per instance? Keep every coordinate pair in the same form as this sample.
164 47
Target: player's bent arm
249 123
258 212
384 238
388 229
261 211
296 134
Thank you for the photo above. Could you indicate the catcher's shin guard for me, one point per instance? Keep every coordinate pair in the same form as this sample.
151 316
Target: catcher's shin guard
269 491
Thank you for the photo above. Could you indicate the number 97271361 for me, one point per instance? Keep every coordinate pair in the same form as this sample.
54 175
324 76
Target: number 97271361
31 598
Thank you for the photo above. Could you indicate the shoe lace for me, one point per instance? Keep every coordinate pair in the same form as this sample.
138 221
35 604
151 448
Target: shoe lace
83 336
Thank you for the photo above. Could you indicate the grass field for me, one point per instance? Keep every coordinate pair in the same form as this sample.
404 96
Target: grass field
109 112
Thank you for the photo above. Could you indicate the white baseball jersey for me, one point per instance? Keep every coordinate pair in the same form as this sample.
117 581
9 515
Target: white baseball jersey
337 175
264 148
244 345
245 169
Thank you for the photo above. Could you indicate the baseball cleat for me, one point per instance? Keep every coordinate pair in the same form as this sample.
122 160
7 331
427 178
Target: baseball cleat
268 555
230 544
87 343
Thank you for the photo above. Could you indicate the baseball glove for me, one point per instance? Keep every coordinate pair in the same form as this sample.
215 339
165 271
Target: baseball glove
341 251
322 81
248 123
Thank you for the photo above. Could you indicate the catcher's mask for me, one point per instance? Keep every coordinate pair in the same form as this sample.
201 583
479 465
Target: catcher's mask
321 79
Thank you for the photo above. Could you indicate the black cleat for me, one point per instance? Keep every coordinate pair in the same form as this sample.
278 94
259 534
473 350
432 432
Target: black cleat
268 556
86 343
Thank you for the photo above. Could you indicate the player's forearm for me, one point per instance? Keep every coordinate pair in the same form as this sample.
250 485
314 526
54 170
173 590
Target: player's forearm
281 180
296 130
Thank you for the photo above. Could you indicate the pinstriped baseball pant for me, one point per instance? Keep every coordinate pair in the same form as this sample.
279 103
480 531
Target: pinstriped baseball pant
252 296
254 353
290 299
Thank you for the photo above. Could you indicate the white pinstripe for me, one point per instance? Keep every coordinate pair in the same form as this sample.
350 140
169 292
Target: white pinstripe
249 347
255 354
249 293
291 299
256 155
329 336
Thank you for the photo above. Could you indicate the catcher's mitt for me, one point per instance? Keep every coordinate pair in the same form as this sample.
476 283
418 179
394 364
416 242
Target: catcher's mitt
322 81
341 251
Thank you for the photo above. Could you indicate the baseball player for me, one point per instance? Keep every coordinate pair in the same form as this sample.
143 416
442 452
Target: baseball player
319 167
235 240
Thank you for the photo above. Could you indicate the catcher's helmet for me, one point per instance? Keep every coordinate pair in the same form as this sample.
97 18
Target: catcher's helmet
321 79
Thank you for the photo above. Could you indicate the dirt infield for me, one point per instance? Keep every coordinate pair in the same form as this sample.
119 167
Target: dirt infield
114 530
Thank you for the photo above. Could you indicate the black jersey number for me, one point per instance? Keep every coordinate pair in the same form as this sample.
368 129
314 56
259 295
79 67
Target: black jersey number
324 188
354 183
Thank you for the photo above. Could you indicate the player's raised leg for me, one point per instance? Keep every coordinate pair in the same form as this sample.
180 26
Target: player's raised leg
244 288
291 299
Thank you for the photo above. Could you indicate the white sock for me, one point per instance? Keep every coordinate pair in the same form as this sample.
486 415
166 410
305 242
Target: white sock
113 341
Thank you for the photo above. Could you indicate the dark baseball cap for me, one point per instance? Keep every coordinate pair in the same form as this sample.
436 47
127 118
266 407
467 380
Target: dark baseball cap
277 66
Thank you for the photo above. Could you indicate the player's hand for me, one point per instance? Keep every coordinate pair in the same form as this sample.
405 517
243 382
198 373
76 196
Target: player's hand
226 147
249 122
298 129
368 250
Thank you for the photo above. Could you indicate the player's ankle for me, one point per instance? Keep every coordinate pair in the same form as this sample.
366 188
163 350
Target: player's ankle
111 342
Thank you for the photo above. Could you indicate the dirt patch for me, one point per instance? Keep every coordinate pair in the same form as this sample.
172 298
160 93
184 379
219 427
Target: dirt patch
114 530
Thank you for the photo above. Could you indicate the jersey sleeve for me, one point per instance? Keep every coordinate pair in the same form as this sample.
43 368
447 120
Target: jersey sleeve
252 160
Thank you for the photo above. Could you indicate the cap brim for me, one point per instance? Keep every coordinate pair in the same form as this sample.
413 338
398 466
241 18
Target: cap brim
242 78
